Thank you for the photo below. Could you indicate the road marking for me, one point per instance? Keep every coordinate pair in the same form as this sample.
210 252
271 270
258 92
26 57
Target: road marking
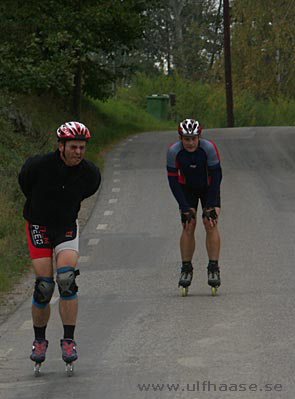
116 159
117 172
113 200
83 259
117 165
54 299
116 189
93 241
27 325
116 180
108 213
130 139
4 353
101 226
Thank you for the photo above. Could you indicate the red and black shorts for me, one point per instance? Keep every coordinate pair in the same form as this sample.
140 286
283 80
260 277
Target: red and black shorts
43 240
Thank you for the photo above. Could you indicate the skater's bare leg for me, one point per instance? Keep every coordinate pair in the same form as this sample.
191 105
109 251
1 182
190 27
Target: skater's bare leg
187 240
43 291
68 309
212 236
213 249
187 247
43 269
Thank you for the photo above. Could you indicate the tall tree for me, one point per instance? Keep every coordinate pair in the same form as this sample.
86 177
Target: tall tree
183 36
65 46
227 64
263 50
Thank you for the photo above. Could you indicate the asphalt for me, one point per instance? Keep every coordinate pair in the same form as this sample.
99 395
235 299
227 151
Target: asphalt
137 337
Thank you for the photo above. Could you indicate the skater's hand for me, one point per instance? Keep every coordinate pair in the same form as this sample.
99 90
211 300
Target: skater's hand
187 216
210 216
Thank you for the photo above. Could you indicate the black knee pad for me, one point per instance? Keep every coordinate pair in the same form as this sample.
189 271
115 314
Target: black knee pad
43 290
66 283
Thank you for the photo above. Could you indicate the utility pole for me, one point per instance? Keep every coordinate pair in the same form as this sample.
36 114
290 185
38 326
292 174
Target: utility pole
227 65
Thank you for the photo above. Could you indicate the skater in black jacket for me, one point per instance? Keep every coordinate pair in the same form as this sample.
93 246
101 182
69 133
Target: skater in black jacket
54 185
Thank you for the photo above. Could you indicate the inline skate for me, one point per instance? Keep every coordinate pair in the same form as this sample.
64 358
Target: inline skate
186 276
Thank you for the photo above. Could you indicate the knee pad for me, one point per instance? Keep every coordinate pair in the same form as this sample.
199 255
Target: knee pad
66 283
44 288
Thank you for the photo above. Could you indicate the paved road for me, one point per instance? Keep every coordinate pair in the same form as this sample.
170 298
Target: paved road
134 326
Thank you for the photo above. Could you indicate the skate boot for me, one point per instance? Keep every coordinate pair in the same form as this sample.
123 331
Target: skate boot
69 354
186 277
213 277
38 354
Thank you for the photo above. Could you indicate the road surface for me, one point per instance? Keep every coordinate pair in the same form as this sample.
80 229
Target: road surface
137 337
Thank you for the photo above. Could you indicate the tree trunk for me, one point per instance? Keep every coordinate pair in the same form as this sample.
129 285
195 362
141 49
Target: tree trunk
227 65
77 92
177 7
216 35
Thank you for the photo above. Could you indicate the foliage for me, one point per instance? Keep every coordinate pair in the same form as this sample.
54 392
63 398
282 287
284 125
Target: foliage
182 36
207 103
263 47
44 42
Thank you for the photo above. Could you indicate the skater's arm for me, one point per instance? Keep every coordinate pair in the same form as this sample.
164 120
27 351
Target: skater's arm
177 191
214 177
27 174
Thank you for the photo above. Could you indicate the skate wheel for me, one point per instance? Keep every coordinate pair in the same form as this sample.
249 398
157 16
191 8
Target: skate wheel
69 369
37 369
184 291
213 291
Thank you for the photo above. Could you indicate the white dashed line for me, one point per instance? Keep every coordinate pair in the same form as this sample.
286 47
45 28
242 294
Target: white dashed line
5 352
54 299
117 172
130 139
93 241
117 165
116 189
116 180
27 325
113 200
83 259
101 226
108 213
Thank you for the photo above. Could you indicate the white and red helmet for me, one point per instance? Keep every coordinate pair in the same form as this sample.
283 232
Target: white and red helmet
72 131
189 127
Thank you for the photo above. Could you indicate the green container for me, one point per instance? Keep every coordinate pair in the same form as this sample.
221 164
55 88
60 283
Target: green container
158 106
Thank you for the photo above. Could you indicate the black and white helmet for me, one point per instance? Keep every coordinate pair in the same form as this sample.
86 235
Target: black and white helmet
189 127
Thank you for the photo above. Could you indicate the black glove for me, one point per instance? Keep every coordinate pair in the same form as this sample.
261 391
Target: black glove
210 214
187 216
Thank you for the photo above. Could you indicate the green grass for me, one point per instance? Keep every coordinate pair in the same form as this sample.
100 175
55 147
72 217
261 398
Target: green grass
207 103
38 118
112 120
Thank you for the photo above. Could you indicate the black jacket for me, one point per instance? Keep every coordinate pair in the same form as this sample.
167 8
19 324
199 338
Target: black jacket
54 191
